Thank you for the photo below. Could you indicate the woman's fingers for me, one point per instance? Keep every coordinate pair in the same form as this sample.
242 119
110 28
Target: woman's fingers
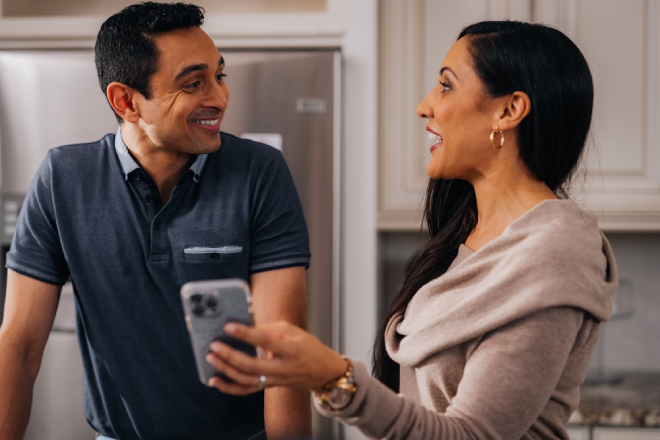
233 388
234 374
250 365
297 358
264 375
263 336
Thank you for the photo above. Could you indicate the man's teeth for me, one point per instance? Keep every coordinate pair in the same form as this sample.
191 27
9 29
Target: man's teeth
435 137
205 122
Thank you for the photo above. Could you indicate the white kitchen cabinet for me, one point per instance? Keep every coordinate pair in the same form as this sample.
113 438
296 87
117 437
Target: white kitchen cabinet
622 45
625 434
248 23
620 177
611 433
578 433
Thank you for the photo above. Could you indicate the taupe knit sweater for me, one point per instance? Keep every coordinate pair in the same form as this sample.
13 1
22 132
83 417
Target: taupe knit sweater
497 347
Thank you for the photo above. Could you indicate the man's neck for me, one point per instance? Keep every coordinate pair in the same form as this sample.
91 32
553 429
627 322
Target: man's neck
164 166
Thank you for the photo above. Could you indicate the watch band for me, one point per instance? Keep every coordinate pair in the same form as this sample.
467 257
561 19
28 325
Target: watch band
338 393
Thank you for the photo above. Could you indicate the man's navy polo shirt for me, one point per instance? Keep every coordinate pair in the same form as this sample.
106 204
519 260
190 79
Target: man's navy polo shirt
93 214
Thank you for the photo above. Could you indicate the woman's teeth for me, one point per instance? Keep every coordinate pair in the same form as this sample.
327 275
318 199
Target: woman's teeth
435 137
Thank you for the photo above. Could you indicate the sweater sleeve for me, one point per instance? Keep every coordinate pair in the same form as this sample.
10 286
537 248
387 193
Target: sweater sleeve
507 381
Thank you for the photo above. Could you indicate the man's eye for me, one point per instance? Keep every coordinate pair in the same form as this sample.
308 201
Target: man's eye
192 85
219 76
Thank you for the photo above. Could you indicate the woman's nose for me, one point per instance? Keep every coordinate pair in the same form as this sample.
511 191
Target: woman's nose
424 108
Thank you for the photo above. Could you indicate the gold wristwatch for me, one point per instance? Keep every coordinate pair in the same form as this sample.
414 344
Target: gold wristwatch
338 393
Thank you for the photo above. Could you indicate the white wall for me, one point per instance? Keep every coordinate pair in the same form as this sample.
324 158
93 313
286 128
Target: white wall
36 8
359 185
632 342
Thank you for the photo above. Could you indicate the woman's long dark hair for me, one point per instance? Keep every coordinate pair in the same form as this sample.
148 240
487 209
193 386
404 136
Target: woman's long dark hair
508 56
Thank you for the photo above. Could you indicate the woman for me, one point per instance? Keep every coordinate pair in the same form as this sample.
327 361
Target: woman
493 329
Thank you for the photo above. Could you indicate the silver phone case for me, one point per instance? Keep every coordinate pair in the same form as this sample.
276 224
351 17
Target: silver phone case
208 306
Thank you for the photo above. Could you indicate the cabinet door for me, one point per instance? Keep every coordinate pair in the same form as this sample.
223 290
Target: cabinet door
621 42
626 434
578 433
620 177
248 23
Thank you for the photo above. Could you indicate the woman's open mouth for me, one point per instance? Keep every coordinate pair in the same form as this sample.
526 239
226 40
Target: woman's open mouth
436 138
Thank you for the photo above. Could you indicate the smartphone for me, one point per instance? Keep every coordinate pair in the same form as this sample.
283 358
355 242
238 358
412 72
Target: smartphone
208 306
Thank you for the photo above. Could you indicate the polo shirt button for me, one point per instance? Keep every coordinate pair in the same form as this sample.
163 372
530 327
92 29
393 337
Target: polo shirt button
150 199
215 256
138 177
157 226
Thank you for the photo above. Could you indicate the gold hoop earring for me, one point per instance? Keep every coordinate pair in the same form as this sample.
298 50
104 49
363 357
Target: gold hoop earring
492 137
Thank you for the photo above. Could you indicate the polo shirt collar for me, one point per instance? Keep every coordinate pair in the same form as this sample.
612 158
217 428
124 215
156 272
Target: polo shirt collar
198 166
129 165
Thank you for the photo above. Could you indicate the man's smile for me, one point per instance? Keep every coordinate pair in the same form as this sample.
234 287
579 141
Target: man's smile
209 125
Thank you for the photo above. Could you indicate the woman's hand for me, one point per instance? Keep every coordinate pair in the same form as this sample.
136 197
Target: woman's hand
292 357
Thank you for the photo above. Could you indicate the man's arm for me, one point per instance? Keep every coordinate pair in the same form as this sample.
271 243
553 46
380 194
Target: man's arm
30 308
281 295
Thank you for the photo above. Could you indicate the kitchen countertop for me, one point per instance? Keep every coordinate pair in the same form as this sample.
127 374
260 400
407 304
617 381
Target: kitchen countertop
634 401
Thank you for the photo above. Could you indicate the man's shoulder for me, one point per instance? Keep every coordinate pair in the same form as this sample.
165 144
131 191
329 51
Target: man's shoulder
84 161
246 148
245 157
66 153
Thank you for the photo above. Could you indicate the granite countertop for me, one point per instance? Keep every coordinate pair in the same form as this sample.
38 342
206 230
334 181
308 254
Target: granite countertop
633 401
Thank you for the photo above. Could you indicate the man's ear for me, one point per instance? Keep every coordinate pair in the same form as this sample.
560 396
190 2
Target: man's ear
121 98
515 107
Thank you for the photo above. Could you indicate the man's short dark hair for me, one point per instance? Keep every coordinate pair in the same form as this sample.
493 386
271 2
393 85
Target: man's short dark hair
125 50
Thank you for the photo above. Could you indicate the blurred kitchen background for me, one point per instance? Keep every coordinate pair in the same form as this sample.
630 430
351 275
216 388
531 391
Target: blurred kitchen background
384 56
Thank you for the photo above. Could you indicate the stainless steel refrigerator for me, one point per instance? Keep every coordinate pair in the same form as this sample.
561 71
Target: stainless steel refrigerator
289 100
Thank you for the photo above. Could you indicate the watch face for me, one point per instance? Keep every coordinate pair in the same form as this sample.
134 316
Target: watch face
339 397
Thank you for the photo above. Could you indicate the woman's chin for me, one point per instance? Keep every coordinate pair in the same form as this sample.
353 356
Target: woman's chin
435 172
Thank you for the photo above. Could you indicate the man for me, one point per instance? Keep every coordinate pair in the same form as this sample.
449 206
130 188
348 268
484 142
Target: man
132 217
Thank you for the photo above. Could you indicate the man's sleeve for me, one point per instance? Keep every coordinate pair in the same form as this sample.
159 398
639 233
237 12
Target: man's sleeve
279 236
36 250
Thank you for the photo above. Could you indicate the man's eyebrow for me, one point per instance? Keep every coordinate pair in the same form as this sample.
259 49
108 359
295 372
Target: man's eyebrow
190 69
449 70
195 68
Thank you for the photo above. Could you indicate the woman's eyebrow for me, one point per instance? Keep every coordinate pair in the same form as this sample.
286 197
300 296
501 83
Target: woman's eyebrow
449 70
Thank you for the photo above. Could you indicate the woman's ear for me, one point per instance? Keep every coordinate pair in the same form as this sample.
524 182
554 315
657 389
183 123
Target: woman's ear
120 96
515 107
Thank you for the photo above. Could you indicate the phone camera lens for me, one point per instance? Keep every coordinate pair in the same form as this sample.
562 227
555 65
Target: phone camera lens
198 310
212 304
196 298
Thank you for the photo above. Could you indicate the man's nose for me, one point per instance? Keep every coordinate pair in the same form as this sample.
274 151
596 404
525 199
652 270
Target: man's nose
216 96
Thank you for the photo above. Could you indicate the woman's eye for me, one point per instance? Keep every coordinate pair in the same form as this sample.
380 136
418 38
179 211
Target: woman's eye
445 86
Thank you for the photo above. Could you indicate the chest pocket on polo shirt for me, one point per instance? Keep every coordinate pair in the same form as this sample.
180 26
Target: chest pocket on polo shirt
216 261
210 253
